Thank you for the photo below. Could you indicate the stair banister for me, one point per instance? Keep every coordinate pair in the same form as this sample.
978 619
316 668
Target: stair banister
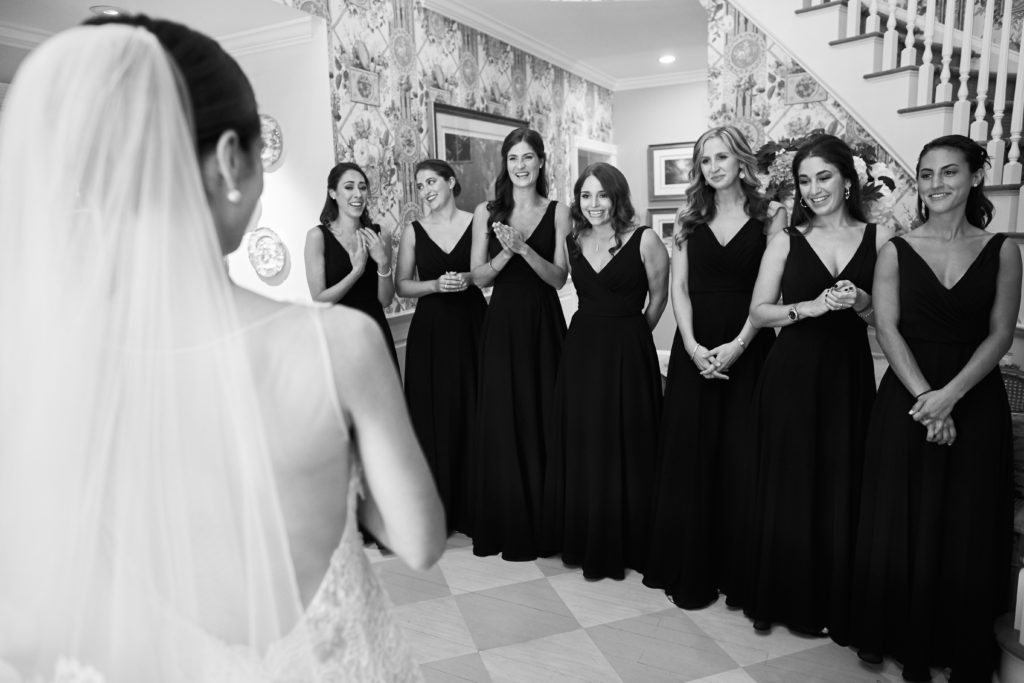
909 55
872 25
996 145
1012 170
944 91
979 129
890 43
926 72
962 108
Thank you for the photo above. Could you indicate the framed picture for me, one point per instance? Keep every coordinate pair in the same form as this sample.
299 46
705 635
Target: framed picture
669 167
364 86
662 221
585 151
471 142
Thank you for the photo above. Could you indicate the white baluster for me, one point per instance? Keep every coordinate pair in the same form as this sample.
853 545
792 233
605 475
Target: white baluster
909 55
807 4
926 72
944 93
852 19
872 25
1012 170
890 43
996 145
979 129
962 108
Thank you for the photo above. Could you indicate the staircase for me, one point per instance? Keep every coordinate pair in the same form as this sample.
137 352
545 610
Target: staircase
908 76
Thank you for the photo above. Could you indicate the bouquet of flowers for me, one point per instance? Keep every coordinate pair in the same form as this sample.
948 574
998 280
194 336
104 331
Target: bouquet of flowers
775 164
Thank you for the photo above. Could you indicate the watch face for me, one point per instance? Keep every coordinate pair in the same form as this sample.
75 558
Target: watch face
793 314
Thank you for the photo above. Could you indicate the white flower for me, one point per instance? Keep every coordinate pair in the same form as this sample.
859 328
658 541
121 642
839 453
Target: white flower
364 152
879 170
862 170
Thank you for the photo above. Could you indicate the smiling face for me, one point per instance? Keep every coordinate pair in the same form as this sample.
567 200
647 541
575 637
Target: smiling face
524 165
433 189
944 180
718 164
822 186
350 193
595 203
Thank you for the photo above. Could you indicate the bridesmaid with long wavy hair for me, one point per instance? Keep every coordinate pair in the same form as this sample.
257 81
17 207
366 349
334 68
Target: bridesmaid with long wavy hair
706 480
813 400
444 335
601 464
519 247
348 260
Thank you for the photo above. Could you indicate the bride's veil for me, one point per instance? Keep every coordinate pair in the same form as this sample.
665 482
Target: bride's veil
140 529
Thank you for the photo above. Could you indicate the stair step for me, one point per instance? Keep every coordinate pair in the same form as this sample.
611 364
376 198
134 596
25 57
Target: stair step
818 8
854 39
925 107
890 72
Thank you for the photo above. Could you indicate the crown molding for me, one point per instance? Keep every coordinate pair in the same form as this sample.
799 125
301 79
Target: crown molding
21 37
285 34
661 80
462 13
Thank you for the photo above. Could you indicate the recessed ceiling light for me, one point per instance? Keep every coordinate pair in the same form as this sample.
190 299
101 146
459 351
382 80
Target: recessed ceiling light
107 10
667 59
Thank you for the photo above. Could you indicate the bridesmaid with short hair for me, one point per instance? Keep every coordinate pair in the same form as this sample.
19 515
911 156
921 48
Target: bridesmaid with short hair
444 335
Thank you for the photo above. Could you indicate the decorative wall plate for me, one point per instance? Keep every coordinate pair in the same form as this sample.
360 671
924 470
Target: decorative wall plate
267 253
744 53
273 143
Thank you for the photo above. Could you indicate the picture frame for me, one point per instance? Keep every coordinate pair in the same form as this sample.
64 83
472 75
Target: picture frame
662 221
668 170
364 86
471 141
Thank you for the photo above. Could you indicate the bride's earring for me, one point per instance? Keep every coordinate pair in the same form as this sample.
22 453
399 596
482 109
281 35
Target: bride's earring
234 195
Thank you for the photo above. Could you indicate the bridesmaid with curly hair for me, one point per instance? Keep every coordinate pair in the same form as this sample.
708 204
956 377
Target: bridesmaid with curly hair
706 477
608 392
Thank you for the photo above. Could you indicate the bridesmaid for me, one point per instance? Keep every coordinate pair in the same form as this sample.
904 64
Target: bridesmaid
519 247
814 397
608 390
444 335
337 251
706 476
933 545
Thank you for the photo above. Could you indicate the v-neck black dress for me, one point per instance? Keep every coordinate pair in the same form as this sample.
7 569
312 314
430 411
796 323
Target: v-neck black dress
933 546
811 413
705 484
362 295
520 345
598 500
440 372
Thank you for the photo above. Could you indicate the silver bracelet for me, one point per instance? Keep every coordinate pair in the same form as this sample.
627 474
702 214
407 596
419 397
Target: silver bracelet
387 274
866 313
742 343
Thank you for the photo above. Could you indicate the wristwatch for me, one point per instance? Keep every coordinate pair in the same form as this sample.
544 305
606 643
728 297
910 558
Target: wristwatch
793 314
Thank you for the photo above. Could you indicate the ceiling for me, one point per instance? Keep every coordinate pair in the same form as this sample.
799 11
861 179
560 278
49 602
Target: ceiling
615 43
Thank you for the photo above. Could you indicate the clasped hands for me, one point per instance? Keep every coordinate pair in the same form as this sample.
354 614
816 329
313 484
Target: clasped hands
715 363
933 409
369 244
843 294
510 238
451 282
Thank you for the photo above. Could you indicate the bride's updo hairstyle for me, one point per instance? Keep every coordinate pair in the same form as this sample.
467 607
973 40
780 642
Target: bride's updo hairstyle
220 95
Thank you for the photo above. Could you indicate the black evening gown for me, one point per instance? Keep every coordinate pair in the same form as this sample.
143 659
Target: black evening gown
933 544
521 343
598 501
440 372
702 526
362 295
811 412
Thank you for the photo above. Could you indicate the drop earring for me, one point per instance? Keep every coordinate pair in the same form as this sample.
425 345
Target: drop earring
846 194
233 195
742 175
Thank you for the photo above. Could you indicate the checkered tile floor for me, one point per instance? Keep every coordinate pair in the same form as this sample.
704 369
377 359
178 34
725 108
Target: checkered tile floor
484 619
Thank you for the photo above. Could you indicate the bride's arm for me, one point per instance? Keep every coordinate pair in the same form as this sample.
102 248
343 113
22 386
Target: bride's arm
405 512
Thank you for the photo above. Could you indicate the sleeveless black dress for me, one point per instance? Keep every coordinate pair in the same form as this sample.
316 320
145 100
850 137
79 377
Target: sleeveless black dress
812 407
933 545
521 343
440 372
702 525
362 295
598 501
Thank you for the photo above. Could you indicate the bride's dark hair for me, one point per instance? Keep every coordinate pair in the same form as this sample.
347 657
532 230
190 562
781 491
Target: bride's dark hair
220 95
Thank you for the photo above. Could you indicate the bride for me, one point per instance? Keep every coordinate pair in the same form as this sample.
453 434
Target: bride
179 457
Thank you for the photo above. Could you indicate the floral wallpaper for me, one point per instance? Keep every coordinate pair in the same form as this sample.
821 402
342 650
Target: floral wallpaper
758 86
390 59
